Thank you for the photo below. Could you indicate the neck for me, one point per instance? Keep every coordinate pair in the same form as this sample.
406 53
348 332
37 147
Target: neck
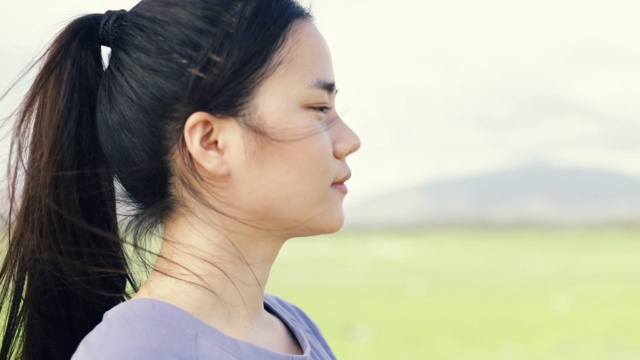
218 276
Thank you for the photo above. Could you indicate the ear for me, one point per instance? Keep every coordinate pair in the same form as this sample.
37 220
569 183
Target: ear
204 136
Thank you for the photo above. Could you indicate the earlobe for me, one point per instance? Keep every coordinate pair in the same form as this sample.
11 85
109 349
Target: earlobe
203 140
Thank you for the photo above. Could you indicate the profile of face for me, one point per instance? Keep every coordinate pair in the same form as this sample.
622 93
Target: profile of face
290 179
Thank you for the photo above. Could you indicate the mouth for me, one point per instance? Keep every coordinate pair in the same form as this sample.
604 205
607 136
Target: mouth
340 184
343 179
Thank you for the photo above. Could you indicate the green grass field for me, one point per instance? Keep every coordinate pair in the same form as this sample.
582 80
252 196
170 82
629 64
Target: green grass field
469 293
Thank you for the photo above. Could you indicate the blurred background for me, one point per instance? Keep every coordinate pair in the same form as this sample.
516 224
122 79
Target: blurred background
494 209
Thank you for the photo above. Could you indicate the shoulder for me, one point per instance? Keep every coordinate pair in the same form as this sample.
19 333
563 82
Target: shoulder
140 329
146 329
297 319
289 310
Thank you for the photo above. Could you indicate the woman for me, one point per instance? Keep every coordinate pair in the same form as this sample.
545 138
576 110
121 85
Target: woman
216 119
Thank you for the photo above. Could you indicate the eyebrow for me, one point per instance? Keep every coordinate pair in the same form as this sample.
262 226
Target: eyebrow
328 86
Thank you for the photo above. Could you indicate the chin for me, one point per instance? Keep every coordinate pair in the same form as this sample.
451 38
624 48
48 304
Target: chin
326 225
332 225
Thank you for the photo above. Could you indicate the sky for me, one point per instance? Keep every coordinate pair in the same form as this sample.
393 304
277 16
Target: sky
439 89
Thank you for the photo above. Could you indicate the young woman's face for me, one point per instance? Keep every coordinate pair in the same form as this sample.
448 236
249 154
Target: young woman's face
292 179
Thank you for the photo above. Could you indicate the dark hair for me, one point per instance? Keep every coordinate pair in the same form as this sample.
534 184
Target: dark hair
81 129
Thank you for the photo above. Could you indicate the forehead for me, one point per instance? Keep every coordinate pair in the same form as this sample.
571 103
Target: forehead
304 56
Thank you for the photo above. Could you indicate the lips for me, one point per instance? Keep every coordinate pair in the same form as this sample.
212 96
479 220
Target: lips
340 186
343 179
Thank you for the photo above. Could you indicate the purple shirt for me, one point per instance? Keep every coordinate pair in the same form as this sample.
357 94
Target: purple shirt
144 329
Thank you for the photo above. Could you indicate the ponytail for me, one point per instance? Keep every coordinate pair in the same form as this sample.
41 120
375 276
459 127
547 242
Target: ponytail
65 264
77 130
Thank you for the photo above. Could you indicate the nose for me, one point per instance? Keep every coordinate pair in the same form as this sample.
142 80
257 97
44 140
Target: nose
346 141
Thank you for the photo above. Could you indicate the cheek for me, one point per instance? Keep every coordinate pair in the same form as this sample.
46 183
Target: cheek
302 169
280 161
315 155
313 146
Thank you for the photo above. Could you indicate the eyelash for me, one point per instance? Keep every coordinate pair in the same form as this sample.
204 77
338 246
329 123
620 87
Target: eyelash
322 109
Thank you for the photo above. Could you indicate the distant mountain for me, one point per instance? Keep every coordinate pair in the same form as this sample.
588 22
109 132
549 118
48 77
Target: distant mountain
531 195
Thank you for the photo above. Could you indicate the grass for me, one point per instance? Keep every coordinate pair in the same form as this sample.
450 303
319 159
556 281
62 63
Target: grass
469 293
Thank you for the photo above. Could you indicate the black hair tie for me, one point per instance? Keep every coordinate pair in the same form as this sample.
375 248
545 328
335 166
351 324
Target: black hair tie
108 31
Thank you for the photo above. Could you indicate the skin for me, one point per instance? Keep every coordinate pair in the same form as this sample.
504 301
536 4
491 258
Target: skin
286 184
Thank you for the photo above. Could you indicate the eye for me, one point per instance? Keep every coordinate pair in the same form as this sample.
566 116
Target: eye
323 109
